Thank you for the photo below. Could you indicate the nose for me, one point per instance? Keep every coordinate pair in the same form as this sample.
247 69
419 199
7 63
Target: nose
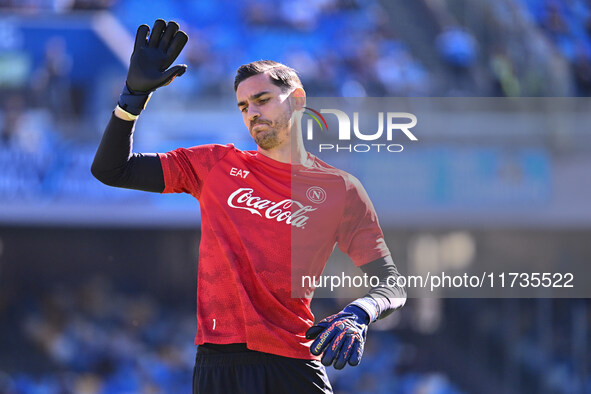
253 113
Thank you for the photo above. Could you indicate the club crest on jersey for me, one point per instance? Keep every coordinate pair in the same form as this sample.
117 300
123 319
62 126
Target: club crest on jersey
279 211
316 194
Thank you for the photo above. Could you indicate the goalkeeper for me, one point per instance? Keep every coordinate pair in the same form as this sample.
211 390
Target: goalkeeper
265 214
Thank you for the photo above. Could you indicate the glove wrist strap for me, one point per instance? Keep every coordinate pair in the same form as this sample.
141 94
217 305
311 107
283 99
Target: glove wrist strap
369 306
133 102
124 115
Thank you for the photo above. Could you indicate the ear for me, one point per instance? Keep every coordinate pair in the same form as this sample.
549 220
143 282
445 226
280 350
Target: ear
298 97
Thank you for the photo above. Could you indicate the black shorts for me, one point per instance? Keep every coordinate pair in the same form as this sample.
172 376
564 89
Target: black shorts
250 372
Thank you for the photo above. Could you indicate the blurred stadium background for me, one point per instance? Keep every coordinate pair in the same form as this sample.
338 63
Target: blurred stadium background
97 285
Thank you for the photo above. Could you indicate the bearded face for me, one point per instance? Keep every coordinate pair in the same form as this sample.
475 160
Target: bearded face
266 111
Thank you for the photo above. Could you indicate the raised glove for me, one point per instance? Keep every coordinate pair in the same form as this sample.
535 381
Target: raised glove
341 337
150 62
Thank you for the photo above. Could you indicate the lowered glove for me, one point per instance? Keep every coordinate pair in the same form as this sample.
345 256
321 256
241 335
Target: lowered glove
150 62
341 337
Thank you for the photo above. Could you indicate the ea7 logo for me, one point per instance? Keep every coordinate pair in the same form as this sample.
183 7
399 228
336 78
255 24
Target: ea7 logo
395 122
238 172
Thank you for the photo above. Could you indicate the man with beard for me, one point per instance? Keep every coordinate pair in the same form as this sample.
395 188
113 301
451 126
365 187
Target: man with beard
260 224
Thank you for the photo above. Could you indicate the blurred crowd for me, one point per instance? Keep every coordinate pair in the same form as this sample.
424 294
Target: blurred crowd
48 133
568 26
96 339
56 5
340 48
538 345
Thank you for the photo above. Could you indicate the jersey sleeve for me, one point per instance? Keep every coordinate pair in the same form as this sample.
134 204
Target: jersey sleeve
186 169
359 234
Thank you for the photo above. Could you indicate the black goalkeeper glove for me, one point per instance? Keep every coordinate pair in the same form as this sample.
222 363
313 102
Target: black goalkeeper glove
150 62
341 337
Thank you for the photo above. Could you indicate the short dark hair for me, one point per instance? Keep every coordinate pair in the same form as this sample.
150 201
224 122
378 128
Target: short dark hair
281 75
